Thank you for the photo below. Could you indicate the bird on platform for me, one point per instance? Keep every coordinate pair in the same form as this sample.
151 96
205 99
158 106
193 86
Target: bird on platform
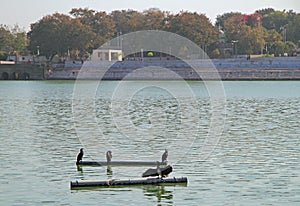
164 157
160 172
79 156
108 156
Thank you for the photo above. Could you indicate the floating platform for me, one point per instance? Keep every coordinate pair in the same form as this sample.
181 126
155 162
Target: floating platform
77 184
119 163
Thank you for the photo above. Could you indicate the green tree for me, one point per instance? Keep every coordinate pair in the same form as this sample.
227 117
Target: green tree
101 24
265 11
85 15
221 19
104 28
20 40
277 48
86 29
195 27
6 39
249 39
293 29
128 20
58 33
290 47
275 20
270 37
13 41
154 19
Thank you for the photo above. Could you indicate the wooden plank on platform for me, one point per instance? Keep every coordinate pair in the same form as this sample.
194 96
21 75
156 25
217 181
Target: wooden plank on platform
119 182
119 163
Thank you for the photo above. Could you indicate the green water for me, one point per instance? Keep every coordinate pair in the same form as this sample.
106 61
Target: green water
256 160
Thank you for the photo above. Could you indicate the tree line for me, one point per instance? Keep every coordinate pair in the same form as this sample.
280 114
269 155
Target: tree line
12 41
81 30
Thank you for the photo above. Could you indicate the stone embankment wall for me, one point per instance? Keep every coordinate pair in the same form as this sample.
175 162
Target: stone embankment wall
22 71
226 69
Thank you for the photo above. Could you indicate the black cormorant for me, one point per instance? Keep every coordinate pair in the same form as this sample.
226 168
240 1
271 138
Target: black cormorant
79 156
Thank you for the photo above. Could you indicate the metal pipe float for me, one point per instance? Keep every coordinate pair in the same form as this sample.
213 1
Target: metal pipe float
119 163
119 182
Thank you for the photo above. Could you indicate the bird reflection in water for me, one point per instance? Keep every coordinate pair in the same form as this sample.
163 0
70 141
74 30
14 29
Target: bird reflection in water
79 168
160 192
109 171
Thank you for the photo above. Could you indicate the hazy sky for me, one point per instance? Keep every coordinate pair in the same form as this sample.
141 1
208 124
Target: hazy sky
25 12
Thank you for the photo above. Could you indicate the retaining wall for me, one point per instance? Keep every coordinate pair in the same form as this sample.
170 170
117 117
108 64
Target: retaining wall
227 69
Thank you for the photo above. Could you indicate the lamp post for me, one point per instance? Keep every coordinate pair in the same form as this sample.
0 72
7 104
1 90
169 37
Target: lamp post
283 33
16 56
119 39
234 42
142 54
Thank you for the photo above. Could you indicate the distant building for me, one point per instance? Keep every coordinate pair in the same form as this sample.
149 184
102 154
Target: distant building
20 58
107 54
26 59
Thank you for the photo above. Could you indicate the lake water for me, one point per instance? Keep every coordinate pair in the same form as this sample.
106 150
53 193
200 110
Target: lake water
255 162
